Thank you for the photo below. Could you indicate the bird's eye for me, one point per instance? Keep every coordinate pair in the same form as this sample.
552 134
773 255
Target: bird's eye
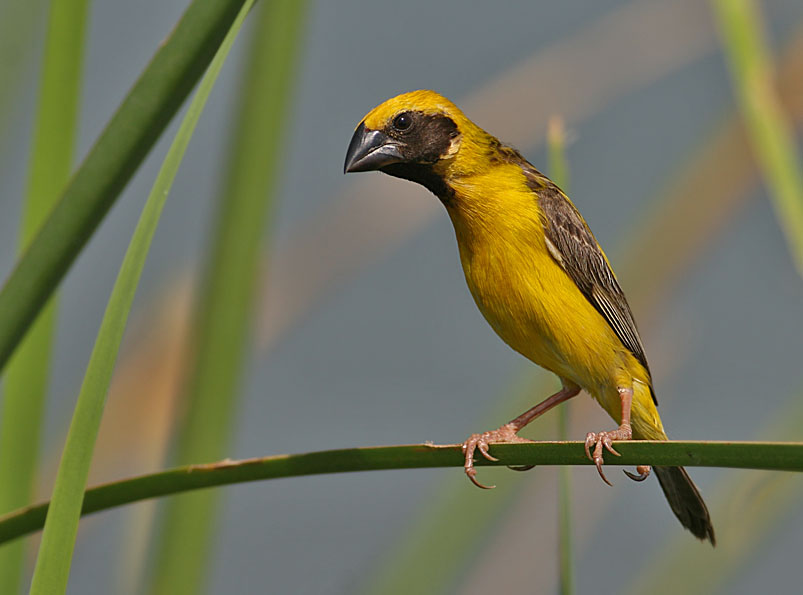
402 121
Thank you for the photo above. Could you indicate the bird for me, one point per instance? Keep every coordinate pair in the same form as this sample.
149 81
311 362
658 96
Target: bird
537 274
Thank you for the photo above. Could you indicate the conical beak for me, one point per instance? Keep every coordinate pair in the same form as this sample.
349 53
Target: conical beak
370 150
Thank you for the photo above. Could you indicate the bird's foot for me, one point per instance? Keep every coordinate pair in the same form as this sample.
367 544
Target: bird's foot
600 440
482 442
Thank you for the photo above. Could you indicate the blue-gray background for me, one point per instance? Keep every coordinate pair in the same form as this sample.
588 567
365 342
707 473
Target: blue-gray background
397 353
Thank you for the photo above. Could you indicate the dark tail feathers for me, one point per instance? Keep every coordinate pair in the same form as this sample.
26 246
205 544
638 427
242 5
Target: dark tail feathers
686 502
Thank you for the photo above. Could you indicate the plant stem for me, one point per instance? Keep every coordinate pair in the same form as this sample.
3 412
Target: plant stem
777 456
559 170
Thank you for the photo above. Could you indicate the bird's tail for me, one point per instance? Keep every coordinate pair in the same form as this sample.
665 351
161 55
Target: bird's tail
679 489
686 502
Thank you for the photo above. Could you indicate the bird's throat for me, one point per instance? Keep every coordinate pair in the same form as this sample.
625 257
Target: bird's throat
425 175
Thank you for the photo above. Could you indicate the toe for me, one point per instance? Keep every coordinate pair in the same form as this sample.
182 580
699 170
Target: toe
475 442
482 442
603 441
598 460
591 440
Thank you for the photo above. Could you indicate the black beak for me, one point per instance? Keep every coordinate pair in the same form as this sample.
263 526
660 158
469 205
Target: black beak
369 150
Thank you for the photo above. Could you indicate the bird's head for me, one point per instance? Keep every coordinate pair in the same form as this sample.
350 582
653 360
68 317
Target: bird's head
415 136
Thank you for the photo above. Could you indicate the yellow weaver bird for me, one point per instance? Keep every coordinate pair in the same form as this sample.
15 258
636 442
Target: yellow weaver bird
535 271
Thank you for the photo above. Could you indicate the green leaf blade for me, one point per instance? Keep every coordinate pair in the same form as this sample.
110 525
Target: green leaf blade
224 315
770 130
775 456
26 380
61 525
116 155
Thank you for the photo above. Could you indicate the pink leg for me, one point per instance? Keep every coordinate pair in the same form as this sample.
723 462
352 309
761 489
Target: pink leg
604 439
509 432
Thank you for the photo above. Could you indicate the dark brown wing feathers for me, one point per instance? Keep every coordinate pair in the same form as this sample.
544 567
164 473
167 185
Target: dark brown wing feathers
580 256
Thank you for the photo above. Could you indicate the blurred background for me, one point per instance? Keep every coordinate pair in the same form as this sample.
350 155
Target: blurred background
364 332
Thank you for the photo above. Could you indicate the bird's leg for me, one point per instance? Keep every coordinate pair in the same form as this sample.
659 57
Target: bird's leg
509 432
604 439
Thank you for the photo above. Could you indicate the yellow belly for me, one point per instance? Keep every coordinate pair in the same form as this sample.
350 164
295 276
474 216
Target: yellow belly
535 307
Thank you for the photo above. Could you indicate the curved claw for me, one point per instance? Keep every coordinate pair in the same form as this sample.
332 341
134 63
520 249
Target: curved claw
471 473
474 443
599 441
482 442
591 440
482 446
609 446
643 473
603 441
520 467
598 463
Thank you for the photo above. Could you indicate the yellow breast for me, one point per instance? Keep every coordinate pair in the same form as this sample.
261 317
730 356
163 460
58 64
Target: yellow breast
521 290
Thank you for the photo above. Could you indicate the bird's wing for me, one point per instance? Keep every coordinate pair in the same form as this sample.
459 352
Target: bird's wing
573 246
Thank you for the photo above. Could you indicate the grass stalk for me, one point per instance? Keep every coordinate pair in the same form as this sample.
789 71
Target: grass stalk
774 456
225 312
559 170
116 155
26 380
770 130
52 569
